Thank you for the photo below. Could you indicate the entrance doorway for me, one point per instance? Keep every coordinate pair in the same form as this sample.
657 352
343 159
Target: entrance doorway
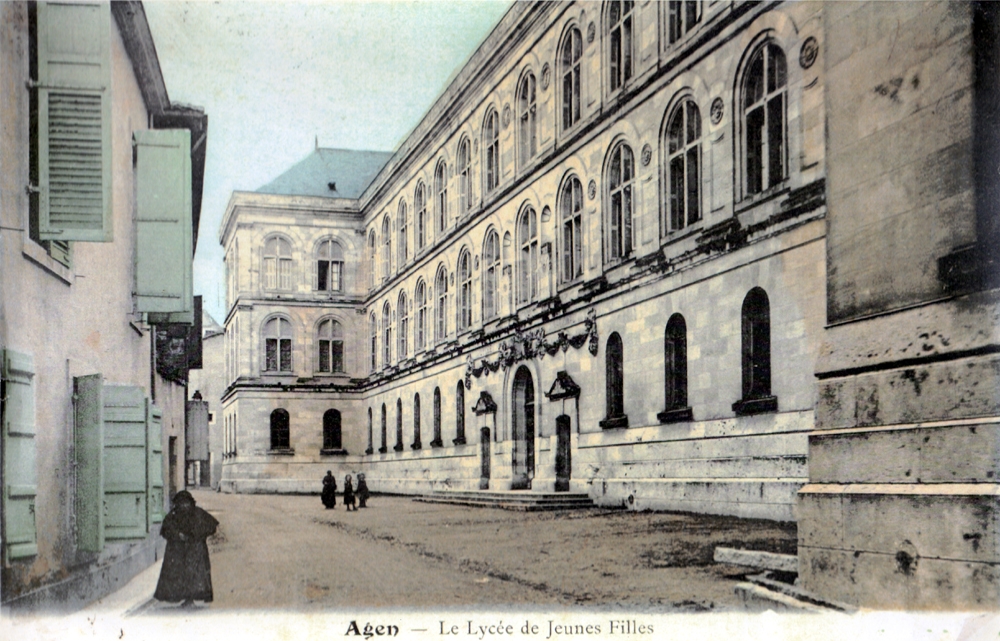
484 458
563 461
523 450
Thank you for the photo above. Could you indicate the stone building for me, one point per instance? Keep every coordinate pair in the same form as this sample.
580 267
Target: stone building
209 382
615 257
99 205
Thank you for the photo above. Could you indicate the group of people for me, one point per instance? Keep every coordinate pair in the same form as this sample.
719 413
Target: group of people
329 495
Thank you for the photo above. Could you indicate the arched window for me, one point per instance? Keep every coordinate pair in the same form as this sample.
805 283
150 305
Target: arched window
621 174
684 165
756 354
331 430
386 335
386 247
277 264
384 448
330 267
420 207
464 291
763 112
614 378
416 422
491 150
683 16
571 219
464 177
620 42
675 371
371 441
330 336
279 430
527 262
572 52
441 305
437 418
403 332
278 345
399 426
527 128
491 275
459 414
373 336
441 196
421 329
372 267
402 243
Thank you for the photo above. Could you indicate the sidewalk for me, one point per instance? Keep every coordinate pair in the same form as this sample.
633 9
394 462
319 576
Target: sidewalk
131 599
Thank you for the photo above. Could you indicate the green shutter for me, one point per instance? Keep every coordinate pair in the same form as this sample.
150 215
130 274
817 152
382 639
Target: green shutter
74 121
61 251
163 219
125 488
89 451
154 463
19 480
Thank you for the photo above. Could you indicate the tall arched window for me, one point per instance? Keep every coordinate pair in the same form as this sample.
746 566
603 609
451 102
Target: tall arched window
384 447
614 378
278 345
437 418
421 328
331 430
464 177
459 414
763 112
280 430
491 150
330 336
527 127
441 196
683 16
491 275
756 354
329 266
402 243
621 174
420 207
277 264
386 334
373 336
386 247
620 42
371 440
464 291
399 426
684 165
372 266
441 305
675 371
572 52
403 332
527 262
416 423
571 220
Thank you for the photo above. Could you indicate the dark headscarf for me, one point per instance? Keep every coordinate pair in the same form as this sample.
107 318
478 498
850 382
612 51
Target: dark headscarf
183 495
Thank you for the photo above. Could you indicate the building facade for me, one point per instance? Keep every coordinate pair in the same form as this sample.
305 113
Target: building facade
101 189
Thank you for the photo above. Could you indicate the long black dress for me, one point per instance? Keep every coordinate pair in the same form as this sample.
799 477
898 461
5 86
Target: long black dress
329 495
186 573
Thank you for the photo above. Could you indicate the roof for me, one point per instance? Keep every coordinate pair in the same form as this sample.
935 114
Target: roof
349 171
208 325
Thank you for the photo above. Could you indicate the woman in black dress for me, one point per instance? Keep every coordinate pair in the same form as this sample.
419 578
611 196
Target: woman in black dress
186 574
329 495
349 494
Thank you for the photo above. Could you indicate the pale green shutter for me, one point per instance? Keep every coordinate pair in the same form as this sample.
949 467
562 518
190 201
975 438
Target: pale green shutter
74 121
89 450
163 218
124 462
154 463
19 480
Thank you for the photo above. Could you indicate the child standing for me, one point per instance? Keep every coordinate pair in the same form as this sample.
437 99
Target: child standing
349 494
362 491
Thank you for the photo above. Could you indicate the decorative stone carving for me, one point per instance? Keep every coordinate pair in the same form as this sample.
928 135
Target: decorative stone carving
592 189
647 154
717 110
809 52
506 116
591 32
563 387
546 76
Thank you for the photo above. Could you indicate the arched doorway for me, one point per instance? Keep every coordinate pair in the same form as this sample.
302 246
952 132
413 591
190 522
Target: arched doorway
523 450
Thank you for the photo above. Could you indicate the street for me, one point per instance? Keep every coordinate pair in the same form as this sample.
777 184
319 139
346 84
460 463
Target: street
288 552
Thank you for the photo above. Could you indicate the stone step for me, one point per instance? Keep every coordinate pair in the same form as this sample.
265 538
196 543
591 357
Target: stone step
511 500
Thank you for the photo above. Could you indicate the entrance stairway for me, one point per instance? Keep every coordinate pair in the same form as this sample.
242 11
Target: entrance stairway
520 500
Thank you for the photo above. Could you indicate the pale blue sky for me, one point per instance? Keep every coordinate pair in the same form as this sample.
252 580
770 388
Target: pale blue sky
272 76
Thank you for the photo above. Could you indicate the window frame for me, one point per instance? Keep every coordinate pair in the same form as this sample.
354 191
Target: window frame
492 269
570 74
755 355
403 327
527 256
283 265
527 119
441 305
373 336
334 336
680 22
333 435
402 244
372 260
280 337
749 190
459 415
386 247
334 263
571 248
420 213
689 147
436 410
464 276
618 244
614 383
622 47
464 168
675 371
386 334
280 436
440 198
491 150
420 301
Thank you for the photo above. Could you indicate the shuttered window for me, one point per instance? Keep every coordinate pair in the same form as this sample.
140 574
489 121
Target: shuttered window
89 452
19 478
74 121
125 465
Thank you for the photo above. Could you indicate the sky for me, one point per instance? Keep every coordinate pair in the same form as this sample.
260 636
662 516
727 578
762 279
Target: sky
274 77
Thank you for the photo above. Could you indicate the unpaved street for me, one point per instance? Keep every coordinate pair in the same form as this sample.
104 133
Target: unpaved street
288 552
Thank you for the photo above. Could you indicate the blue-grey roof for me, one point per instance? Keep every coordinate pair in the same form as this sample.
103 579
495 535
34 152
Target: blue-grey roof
350 170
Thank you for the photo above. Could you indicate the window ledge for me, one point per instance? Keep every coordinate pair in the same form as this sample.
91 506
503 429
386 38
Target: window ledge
675 415
383 449
760 405
281 451
37 254
437 443
614 422
333 452
459 441
398 447
770 193
415 446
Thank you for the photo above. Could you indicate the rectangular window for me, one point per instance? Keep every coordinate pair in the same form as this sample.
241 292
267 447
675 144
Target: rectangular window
271 356
337 356
324 356
286 354
18 440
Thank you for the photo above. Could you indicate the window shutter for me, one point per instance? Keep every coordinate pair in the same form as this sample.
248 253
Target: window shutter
125 483
154 464
19 479
89 451
74 121
163 225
